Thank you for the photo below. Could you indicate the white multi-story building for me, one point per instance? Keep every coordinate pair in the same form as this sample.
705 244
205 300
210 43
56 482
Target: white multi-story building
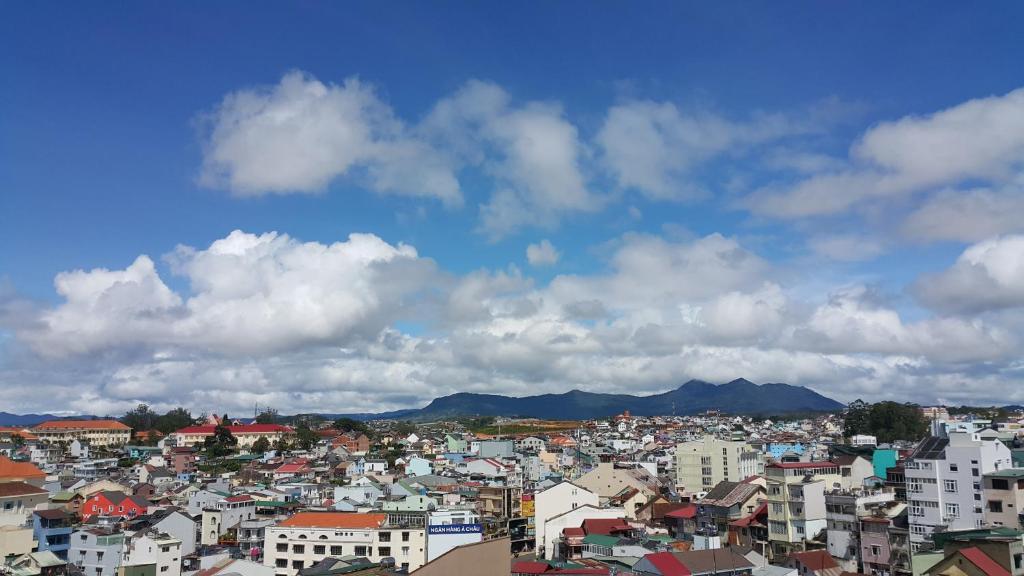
702 464
449 528
154 548
843 509
225 514
944 483
96 551
308 537
96 432
558 500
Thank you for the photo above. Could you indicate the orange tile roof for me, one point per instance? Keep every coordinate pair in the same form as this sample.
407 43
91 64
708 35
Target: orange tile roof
23 432
11 469
81 424
335 520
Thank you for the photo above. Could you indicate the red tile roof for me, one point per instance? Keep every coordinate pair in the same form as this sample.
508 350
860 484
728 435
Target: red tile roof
984 562
19 489
11 469
685 512
241 429
335 520
815 559
667 564
605 526
80 425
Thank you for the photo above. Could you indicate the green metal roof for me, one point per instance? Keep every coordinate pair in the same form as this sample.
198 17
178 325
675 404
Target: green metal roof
601 540
940 538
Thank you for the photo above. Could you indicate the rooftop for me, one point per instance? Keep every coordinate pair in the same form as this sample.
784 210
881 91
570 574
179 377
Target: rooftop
335 520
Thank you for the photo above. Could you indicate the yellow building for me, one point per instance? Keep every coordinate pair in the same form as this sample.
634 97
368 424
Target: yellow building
95 432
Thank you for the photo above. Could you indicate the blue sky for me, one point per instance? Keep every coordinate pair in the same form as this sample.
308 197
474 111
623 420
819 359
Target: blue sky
810 137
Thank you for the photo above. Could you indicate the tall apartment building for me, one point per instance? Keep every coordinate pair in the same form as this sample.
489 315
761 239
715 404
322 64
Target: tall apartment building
843 512
96 432
796 502
702 464
944 483
308 537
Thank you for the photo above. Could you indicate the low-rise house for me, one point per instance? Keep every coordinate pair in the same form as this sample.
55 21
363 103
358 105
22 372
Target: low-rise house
116 504
51 530
721 561
154 548
726 502
96 551
813 563
1004 498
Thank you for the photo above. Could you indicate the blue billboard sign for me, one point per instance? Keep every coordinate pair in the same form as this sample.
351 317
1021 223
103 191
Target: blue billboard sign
455 529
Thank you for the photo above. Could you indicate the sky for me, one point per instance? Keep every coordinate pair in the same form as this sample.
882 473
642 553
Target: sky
361 206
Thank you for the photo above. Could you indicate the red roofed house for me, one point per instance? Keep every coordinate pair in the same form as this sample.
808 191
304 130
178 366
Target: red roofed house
246 434
752 531
971 561
11 471
118 504
682 522
96 432
694 563
813 563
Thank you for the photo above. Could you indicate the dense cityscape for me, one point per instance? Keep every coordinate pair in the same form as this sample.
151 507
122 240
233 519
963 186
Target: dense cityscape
879 489
528 288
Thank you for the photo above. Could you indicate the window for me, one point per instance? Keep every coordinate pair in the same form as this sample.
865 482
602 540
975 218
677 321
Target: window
298 548
360 550
163 568
876 550
384 551
405 550
385 537
282 547
1000 484
952 510
319 549
953 467
974 472
919 530
949 485
281 563
297 564
405 536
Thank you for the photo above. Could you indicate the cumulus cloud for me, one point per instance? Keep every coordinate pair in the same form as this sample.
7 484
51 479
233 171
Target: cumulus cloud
302 134
981 139
249 294
310 326
542 253
987 276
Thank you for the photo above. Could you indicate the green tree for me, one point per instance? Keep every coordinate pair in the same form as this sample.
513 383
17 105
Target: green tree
139 419
18 440
403 428
220 443
888 421
305 437
350 425
173 420
268 416
260 446
281 445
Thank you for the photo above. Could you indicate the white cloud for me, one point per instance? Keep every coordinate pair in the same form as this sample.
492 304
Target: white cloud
981 139
967 216
250 294
532 151
311 326
987 276
542 253
302 134
652 147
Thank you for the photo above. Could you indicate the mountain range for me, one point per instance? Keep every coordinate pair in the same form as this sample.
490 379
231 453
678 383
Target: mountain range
741 397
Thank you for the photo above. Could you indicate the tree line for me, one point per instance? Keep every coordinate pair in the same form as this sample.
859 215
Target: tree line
887 421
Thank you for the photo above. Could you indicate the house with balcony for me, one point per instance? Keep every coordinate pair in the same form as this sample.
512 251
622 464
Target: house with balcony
52 531
796 503
843 511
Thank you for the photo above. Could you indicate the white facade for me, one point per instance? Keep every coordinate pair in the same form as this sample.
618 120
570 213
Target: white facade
162 550
572 519
558 500
448 529
296 544
944 483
